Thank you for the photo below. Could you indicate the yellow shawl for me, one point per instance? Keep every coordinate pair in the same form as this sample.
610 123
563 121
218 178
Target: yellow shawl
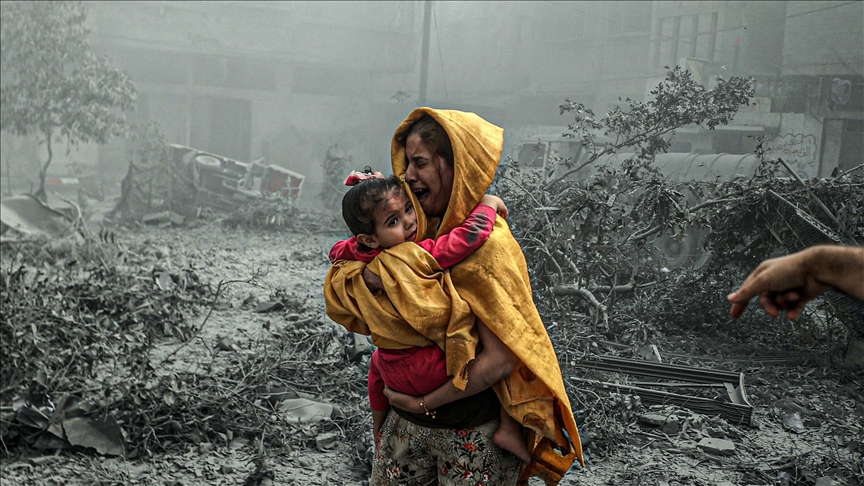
494 284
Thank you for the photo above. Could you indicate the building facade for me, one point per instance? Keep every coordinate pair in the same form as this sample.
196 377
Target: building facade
807 60
285 80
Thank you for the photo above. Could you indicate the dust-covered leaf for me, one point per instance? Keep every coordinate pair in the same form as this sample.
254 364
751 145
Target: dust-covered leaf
103 434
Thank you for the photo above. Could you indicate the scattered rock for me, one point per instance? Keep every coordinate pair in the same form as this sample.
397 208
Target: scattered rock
716 446
671 427
269 307
225 343
792 422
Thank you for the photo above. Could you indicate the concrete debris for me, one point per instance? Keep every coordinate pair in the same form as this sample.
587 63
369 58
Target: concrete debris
657 419
716 446
793 423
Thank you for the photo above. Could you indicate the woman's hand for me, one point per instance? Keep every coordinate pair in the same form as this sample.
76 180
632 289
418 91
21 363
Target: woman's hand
373 281
403 401
492 364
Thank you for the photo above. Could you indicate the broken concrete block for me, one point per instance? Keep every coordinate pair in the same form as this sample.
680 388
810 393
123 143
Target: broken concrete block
671 427
656 419
793 423
716 446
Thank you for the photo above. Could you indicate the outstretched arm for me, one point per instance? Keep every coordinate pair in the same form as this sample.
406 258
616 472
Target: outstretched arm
789 282
494 363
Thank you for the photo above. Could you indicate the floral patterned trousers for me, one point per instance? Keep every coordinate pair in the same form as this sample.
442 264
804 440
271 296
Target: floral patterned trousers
412 455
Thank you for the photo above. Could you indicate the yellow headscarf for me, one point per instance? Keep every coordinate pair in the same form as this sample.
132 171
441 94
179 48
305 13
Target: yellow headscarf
493 283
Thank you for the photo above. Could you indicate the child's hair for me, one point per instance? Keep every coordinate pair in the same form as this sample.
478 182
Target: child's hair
359 203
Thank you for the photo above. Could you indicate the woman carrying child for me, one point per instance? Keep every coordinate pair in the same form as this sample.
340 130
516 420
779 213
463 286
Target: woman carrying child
448 159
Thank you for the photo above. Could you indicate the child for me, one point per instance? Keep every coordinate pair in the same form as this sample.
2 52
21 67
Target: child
380 215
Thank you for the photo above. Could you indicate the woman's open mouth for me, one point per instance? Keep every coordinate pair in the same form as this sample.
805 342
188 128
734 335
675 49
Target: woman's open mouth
421 194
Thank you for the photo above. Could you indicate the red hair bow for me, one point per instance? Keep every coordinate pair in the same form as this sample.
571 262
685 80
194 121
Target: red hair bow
355 177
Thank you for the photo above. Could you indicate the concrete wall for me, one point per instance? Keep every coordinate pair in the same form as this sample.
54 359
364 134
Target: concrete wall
798 142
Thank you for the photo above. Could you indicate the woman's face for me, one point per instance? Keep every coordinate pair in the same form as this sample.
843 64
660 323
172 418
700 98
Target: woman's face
429 176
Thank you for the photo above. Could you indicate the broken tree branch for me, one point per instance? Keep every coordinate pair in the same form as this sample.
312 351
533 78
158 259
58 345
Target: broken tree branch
819 202
581 292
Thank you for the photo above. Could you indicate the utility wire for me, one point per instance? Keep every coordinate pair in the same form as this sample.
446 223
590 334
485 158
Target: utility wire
353 111
440 57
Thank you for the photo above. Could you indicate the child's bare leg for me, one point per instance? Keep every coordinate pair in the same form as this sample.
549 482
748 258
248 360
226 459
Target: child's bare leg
509 437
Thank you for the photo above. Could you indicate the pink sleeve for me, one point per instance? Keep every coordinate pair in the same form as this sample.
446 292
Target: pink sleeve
349 250
377 400
465 239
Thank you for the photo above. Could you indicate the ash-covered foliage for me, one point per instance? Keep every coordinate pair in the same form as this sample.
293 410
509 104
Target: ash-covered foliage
622 257
592 245
90 335
80 314
609 241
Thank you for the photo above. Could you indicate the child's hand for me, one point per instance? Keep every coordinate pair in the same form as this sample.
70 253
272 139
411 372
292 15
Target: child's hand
495 203
403 401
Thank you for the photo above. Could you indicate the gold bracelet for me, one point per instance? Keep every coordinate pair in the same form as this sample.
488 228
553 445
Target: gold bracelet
429 413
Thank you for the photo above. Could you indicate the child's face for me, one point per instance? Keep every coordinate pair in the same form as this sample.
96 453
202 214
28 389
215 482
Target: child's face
395 222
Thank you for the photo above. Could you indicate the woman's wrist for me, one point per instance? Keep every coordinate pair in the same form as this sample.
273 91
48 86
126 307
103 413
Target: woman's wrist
430 412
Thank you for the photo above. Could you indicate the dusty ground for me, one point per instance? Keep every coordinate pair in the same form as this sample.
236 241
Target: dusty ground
826 450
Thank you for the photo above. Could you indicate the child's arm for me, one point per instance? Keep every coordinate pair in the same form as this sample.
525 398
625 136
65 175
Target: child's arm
348 250
465 239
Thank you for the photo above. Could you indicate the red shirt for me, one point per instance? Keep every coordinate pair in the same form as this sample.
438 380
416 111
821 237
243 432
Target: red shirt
415 371
418 370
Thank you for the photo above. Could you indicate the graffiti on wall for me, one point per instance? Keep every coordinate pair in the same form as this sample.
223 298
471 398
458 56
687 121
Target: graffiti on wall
798 150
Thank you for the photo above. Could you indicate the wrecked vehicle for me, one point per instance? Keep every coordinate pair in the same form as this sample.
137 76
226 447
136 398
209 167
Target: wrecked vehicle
183 180
222 182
